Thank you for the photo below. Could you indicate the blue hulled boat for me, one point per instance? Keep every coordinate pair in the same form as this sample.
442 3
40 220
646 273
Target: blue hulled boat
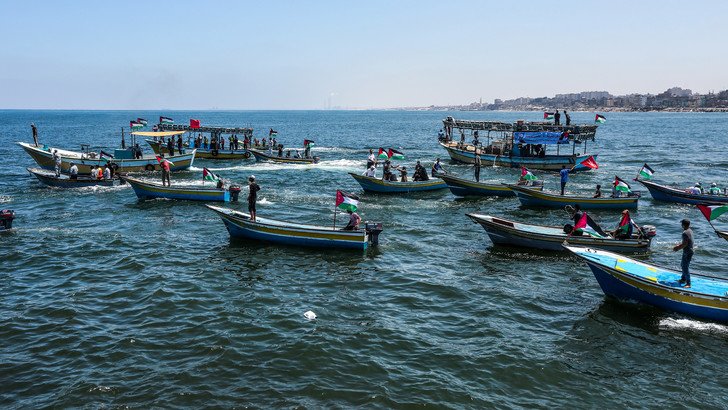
466 187
150 190
625 278
533 198
64 181
371 184
667 194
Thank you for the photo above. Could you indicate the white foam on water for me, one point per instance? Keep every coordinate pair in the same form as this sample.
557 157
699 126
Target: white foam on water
691 324
265 201
5 198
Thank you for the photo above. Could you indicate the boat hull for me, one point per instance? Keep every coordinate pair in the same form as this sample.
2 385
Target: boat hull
466 187
44 159
146 190
370 184
64 181
534 198
706 299
667 194
206 153
504 232
261 156
549 162
239 225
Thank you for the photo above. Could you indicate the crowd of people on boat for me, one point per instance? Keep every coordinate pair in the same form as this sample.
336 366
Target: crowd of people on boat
698 189
388 170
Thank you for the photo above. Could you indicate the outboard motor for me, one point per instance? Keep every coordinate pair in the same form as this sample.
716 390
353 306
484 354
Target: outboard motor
373 230
234 192
649 231
6 219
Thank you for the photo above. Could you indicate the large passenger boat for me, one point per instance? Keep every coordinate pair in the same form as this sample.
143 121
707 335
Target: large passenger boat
534 145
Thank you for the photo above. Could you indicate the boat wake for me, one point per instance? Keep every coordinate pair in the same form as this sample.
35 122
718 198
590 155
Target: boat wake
5 198
691 324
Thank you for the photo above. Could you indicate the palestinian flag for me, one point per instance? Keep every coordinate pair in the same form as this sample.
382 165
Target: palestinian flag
382 154
588 226
142 121
105 156
712 211
272 133
620 185
548 116
209 176
600 119
345 200
163 159
528 175
308 143
394 154
646 171
625 223
166 120
135 125
590 162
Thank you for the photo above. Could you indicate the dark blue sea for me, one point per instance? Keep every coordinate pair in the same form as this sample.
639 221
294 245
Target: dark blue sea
109 301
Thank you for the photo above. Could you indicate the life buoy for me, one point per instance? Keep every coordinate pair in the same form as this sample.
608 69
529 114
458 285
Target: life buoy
214 153
149 167
246 155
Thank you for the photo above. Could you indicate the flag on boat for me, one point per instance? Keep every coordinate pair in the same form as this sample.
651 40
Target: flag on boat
194 123
105 156
620 185
590 162
272 133
135 125
600 119
308 143
548 116
625 223
646 171
526 174
382 154
346 200
142 121
164 159
209 176
166 120
588 226
394 154
712 211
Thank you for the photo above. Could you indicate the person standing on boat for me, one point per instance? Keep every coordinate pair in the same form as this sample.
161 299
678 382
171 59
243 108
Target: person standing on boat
437 167
57 160
253 189
440 136
568 118
564 177
35 134
166 173
73 170
557 118
476 167
179 144
170 146
687 246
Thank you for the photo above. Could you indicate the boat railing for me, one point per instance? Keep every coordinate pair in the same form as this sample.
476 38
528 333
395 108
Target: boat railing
578 132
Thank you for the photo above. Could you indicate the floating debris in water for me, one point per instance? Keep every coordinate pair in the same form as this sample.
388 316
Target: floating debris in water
309 315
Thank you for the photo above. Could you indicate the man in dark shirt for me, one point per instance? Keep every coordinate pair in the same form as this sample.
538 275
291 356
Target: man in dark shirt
252 196
557 118
35 134
687 246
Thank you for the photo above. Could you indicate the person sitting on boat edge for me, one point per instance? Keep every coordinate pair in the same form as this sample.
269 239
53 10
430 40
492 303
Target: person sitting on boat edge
107 172
288 154
714 190
437 168
280 150
298 154
576 215
220 182
73 170
626 231
402 174
420 173
371 172
354 220
695 189
598 192
440 136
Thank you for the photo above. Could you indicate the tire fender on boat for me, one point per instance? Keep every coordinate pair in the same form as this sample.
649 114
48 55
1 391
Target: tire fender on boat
246 155
149 167
214 153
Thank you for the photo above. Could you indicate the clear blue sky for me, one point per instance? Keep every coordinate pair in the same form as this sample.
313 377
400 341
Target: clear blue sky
305 54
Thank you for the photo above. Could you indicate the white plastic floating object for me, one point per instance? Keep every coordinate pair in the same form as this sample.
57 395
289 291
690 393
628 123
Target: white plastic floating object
309 315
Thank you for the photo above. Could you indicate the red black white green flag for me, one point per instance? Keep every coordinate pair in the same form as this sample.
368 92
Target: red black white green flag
712 211
548 116
526 174
382 154
646 172
346 200
142 121
166 120
625 223
164 159
394 154
135 125
208 175
620 185
308 143
588 226
600 119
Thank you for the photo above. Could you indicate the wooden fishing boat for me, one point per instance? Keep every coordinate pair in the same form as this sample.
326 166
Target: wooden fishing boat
667 194
505 232
262 156
203 152
207 153
122 161
64 181
151 190
372 184
625 278
239 225
467 187
533 198
518 144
